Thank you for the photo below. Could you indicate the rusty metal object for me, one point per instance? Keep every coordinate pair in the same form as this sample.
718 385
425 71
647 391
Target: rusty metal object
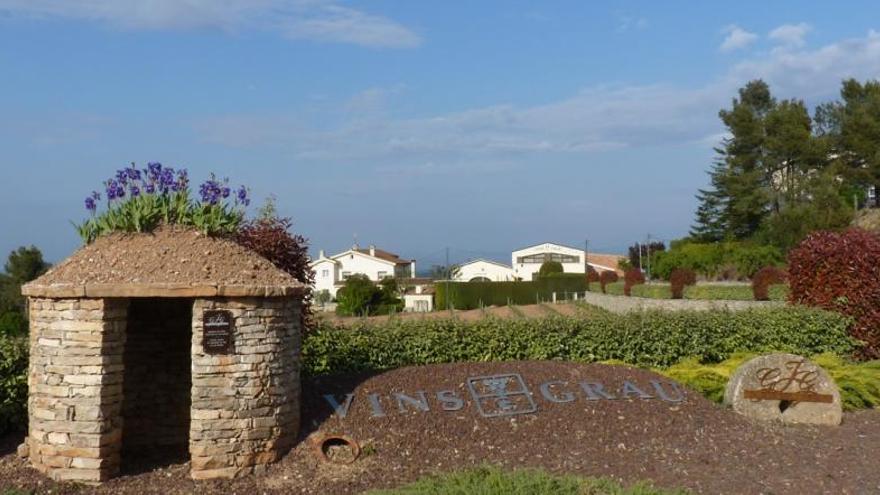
321 443
769 394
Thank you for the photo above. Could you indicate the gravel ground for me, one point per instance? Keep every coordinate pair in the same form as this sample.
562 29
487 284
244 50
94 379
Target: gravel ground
693 444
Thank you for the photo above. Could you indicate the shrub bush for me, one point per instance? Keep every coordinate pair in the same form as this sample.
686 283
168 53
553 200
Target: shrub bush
679 279
270 237
647 339
840 271
550 268
724 260
592 276
763 279
607 277
472 295
631 278
13 383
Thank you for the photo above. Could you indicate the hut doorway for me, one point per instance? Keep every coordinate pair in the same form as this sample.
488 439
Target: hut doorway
157 383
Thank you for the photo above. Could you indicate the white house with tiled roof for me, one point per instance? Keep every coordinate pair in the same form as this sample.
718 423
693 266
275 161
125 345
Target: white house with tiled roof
376 264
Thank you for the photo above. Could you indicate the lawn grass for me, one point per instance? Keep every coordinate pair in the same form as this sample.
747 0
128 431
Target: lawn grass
495 481
703 291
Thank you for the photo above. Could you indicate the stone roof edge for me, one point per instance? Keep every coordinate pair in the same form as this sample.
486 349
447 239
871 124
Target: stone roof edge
59 291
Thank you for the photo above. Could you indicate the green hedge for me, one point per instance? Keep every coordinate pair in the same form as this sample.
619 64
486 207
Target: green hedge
648 339
703 291
472 295
13 382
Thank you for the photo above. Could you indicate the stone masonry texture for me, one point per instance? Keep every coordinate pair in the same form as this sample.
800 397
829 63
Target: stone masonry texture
245 404
75 383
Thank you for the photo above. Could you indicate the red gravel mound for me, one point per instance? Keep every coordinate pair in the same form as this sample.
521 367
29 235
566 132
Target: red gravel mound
169 255
691 444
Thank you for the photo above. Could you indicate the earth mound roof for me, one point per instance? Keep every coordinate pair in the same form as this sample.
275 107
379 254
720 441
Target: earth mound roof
168 262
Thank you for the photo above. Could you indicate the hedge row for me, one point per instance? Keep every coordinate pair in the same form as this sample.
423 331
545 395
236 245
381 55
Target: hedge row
702 291
472 295
648 339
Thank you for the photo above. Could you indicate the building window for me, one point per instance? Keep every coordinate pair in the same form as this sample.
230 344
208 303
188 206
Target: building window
345 275
382 275
542 257
325 273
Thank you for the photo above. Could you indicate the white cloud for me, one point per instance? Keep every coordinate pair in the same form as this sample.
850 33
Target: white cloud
316 20
790 34
595 119
736 38
627 23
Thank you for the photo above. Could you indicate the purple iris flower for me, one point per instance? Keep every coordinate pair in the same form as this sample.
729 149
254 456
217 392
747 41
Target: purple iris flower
135 191
149 188
90 204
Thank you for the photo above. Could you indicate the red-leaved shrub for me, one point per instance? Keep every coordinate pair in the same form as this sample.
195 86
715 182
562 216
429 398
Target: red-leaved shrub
607 277
272 239
763 279
840 271
592 276
679 279
632 277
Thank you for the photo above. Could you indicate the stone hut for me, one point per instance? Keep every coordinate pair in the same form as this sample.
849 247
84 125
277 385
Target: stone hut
170 342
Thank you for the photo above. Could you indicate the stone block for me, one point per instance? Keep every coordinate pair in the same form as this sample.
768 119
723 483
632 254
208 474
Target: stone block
784 387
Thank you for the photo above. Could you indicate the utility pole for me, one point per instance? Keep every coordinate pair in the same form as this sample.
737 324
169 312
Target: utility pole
587 255
639 247
448 294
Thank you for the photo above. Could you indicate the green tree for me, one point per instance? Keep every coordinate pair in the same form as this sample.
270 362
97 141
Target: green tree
23 265
744 154
358 297
549 268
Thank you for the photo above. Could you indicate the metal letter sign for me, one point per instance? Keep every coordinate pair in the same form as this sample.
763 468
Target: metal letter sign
501 395
217 332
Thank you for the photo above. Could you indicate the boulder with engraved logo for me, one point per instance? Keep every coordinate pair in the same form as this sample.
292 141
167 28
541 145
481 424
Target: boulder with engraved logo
784 387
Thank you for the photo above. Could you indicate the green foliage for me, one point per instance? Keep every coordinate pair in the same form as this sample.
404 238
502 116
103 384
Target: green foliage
780 174
139 200
13 323
715 260
550 268
13 382
23 265
653 338
473 295
701 291
859 383
490 480
361 297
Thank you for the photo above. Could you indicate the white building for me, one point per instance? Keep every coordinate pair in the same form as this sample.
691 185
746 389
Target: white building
527 261
481 270
331 272
419 299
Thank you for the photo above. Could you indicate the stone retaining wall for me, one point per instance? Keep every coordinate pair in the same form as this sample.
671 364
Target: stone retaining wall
624 304
75 381
245 405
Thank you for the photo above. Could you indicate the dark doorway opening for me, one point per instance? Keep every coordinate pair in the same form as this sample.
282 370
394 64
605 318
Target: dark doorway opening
157 384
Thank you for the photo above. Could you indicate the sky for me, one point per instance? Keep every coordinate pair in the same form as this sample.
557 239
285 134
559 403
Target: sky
481 127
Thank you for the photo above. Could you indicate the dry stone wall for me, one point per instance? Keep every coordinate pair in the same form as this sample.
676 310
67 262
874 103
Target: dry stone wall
75 380
245 403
